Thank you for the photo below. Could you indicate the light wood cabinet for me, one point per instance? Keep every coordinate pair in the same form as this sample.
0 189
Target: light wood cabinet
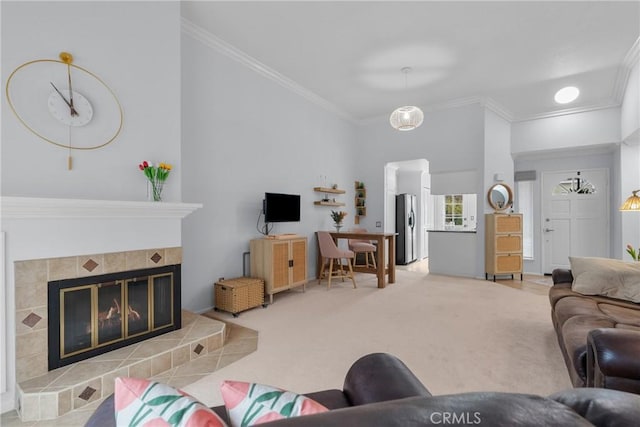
281 263
503 244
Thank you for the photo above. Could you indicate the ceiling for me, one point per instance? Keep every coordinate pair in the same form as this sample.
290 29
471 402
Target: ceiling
513 55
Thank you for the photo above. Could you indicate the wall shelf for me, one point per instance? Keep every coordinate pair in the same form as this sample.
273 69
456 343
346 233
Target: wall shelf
360 200
328 190
326 201
321 203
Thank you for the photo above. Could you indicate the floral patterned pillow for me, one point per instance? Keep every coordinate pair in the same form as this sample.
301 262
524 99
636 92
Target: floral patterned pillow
144 403
250 404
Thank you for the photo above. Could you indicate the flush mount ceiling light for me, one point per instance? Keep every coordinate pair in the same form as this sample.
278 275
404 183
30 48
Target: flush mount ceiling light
567 94
408 117
632 203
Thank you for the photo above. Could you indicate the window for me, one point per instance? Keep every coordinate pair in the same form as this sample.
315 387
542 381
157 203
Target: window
453 210
524 190
575 184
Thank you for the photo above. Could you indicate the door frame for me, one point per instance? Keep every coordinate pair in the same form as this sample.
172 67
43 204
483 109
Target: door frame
543 210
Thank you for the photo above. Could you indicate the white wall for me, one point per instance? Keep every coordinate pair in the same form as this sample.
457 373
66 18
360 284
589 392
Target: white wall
244 135
136 56
497 159
630 117
568 131
451 140
497 153
454 254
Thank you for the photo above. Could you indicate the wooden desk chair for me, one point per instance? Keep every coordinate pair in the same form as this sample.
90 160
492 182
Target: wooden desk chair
363 246
330 252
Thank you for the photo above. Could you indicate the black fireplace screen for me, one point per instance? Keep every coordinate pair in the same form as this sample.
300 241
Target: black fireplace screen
92 315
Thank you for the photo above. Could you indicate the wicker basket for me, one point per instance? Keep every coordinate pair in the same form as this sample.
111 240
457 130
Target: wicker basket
239 294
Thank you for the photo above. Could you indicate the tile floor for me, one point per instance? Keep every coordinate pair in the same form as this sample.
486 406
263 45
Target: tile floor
239 342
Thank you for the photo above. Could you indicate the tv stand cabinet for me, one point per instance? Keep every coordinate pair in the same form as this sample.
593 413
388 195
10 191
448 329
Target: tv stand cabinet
281 263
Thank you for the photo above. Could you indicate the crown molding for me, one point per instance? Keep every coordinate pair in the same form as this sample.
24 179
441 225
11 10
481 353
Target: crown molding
497 108
208 39
554 153
624 70
584 109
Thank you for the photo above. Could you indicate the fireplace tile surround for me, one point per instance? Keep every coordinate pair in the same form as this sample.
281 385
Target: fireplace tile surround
31 278
74 386
43 394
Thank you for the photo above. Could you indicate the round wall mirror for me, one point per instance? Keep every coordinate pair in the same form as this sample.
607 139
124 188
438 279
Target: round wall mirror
500 197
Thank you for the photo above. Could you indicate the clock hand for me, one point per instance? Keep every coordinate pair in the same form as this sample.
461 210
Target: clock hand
65 100
73 110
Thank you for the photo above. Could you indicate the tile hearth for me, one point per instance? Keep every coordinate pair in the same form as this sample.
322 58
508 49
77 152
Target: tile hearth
72 387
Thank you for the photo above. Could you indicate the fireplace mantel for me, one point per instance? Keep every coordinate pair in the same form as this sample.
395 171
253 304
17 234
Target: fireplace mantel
38 208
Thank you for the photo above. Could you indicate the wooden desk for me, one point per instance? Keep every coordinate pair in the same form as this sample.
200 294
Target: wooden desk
382 268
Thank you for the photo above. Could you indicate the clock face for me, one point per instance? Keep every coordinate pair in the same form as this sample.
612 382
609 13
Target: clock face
37 97
59 108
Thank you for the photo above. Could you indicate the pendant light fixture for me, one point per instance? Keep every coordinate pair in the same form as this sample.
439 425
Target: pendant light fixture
408 117
632 203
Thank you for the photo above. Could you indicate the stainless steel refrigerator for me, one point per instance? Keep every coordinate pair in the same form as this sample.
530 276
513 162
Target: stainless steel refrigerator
406 243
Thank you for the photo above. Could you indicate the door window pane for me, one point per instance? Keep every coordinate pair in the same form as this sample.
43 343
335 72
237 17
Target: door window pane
524 199
576 184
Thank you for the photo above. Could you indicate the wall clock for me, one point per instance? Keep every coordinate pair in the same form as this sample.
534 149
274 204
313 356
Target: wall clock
64 104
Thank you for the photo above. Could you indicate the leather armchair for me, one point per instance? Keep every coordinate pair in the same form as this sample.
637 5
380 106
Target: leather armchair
613 359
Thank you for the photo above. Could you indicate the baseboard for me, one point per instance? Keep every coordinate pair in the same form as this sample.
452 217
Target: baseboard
204 311
8 402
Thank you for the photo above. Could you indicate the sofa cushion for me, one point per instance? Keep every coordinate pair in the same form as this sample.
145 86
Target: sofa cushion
621 315
143 402
250 404
572 306
608 277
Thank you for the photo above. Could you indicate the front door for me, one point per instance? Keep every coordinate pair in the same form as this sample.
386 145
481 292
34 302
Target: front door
575 216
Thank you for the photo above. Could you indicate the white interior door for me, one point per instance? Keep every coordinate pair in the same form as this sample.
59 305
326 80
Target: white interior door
575 216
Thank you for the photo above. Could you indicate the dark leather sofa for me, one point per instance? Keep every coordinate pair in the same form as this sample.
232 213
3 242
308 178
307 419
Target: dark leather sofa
599 336
379 390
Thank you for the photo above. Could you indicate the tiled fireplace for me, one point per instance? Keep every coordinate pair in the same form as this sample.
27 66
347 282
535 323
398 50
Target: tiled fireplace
47 394
32 283
49 240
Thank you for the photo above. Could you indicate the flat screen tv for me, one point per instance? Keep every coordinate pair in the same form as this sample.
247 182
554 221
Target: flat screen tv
281 207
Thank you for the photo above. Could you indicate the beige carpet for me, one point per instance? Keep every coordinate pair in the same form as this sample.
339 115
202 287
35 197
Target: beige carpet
455 334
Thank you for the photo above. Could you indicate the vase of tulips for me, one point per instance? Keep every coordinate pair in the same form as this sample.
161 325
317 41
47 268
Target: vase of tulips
156 176
635 253
338 217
